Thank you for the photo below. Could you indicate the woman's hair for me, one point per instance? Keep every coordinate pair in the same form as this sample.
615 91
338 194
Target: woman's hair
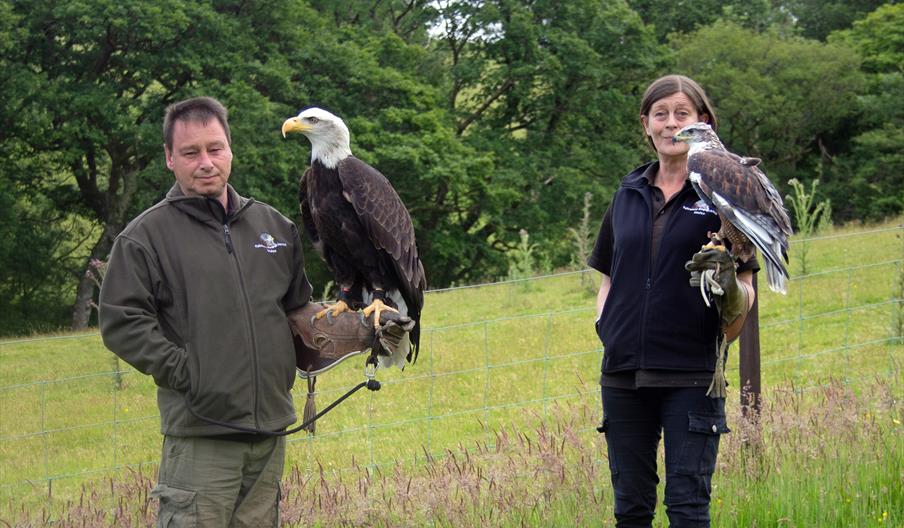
672 84
199 109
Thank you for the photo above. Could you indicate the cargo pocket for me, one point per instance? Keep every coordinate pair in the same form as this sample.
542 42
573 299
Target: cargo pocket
603 427
178 508
698 453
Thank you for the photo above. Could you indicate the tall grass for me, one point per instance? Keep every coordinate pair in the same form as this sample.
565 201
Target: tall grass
823 456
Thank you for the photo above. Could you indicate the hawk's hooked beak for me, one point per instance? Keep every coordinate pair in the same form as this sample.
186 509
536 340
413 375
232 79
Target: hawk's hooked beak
675 139
293 124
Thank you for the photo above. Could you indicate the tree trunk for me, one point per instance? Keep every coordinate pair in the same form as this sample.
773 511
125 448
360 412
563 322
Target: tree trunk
81 310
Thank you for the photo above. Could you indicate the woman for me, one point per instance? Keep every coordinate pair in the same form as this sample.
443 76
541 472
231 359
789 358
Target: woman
661 340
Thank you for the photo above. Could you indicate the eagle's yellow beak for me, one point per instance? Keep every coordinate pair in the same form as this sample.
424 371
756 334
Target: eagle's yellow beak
293 124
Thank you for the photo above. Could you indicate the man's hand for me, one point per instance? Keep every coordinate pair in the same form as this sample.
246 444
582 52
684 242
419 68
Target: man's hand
716 268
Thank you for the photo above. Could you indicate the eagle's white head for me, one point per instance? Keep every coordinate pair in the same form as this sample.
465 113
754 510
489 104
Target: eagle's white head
699 136
327 133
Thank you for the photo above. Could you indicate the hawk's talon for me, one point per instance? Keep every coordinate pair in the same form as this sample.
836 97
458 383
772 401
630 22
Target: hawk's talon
715 242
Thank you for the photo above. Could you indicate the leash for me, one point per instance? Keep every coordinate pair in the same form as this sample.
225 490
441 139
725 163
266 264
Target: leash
370 383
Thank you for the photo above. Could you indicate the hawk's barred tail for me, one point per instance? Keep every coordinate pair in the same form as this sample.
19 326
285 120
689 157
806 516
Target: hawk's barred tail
778 281
762 232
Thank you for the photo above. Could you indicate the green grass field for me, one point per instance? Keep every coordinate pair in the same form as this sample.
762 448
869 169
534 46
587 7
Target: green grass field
495 423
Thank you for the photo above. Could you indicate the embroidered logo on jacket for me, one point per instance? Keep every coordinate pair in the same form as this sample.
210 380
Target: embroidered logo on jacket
699 208
269 243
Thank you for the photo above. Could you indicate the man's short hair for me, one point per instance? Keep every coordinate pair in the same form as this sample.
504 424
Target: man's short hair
196 109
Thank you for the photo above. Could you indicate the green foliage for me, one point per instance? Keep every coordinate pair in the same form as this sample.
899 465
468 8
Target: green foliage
583 239
550 91
522 260
488 116
816 19
807 217
33 250
866 176
668 17
408 19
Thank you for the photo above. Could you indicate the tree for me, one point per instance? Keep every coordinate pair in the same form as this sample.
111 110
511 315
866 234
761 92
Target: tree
91 80
865 180
816 19
777 98
550 90
408 19
38 240
668 16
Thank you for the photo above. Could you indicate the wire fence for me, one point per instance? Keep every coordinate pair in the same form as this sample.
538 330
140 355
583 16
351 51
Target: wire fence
70 413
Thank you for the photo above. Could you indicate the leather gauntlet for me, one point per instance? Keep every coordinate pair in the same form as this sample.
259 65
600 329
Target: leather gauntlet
321 344
716 268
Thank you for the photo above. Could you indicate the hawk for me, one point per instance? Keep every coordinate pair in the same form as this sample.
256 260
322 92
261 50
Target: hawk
751 209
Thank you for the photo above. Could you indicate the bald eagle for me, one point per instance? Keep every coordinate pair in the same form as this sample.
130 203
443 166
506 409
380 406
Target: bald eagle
751 210
361 229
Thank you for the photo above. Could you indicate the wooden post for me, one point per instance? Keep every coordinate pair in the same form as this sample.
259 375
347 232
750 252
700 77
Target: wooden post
750 360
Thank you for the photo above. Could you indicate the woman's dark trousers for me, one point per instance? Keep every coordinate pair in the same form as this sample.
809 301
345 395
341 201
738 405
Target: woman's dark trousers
691 423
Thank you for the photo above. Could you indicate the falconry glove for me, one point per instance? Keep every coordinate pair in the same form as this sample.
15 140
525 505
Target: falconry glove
321 344
714 270
393 333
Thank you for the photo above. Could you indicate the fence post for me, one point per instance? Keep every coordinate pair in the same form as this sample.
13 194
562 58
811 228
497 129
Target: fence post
750 361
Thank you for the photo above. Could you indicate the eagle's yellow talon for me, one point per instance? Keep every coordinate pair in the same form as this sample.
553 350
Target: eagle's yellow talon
376 308
333 310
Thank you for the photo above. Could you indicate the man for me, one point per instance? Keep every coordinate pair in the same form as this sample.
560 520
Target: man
197 294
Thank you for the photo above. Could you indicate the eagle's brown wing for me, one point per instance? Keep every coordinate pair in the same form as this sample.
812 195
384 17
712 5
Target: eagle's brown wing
744 196
389 227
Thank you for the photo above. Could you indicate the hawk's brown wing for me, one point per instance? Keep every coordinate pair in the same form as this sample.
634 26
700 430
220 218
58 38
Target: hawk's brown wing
745 197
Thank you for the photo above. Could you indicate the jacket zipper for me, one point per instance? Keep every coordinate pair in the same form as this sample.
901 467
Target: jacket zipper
227 237
646 288
649 282
250 321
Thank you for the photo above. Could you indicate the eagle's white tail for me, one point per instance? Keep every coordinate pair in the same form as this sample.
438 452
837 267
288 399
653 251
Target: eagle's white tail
397 359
